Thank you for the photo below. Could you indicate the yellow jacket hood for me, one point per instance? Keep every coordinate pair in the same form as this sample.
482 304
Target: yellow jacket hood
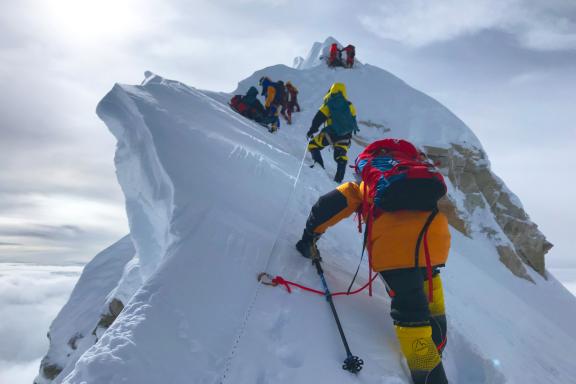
335 88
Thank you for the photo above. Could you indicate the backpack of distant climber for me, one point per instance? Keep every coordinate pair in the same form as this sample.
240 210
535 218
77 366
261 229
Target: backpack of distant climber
238 105
343 122
335 56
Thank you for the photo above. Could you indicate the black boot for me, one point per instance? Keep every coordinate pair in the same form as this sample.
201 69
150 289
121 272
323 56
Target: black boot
317 157
340 172
435 376
307 245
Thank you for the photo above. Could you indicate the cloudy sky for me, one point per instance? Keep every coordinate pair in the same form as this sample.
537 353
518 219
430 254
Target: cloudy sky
505 67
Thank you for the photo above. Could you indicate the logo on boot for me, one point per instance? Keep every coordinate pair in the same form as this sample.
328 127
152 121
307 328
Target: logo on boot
420 347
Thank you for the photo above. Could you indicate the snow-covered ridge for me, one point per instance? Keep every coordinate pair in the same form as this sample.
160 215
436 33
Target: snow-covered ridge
213 199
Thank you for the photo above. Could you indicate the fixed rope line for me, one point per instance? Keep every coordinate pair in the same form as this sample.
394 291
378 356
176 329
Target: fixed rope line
244 325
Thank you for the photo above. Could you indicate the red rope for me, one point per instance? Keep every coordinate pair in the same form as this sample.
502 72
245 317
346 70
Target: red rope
279 280
442 344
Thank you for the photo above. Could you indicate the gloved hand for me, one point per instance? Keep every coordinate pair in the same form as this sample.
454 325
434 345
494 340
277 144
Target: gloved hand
310 133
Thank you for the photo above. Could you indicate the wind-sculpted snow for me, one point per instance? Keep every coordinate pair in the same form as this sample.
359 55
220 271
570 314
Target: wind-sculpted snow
213 199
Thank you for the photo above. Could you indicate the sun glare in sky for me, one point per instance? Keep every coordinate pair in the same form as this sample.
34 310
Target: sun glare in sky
89 21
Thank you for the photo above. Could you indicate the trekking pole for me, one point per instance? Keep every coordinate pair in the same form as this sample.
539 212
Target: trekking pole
352 363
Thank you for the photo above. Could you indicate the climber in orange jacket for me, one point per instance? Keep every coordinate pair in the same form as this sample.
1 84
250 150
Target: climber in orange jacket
399 255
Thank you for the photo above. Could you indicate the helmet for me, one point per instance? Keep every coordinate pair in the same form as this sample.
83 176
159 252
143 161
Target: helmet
263 79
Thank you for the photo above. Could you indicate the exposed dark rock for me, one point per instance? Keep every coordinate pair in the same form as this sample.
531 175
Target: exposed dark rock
114 309
372 124
49 370
454 216
72 343
468 170
509 258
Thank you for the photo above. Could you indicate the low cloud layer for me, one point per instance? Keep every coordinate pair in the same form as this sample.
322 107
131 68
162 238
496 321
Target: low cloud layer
30 298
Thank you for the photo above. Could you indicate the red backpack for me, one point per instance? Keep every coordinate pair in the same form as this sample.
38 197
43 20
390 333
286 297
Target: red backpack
399 177
238 105
335 55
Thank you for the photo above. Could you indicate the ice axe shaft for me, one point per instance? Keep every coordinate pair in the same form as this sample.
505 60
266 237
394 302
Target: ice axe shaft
352 363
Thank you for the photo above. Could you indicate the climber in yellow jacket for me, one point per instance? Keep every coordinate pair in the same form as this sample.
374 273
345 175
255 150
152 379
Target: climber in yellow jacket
420 325
339 114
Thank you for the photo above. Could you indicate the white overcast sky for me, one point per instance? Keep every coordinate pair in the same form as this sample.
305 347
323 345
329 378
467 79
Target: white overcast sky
505 67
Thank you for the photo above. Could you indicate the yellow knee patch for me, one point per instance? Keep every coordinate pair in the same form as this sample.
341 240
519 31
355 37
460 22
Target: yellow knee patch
437 304
316 142
344 148
418 348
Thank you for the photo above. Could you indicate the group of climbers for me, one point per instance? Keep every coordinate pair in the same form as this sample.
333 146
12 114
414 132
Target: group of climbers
279 99
406 237
335 58
336 113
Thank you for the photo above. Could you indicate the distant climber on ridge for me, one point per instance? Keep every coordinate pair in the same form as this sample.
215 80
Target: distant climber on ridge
335 58
293 105
339 114
407 240
350 51
284 102
249 106
274 94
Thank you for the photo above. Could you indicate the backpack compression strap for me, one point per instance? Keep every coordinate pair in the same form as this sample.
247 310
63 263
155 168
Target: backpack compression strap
424 236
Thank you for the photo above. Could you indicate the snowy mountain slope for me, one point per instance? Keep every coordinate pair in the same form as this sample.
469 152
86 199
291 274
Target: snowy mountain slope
76 327
213 199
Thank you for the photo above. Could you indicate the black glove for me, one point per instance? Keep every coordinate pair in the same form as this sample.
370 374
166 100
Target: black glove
310 133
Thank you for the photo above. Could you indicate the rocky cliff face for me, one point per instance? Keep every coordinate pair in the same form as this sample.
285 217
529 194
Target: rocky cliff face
487 206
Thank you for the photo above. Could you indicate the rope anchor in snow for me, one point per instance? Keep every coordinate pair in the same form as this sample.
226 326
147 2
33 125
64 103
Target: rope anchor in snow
267 279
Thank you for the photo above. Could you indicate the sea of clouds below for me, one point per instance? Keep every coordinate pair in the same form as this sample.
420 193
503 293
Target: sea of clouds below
30 298
32 295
